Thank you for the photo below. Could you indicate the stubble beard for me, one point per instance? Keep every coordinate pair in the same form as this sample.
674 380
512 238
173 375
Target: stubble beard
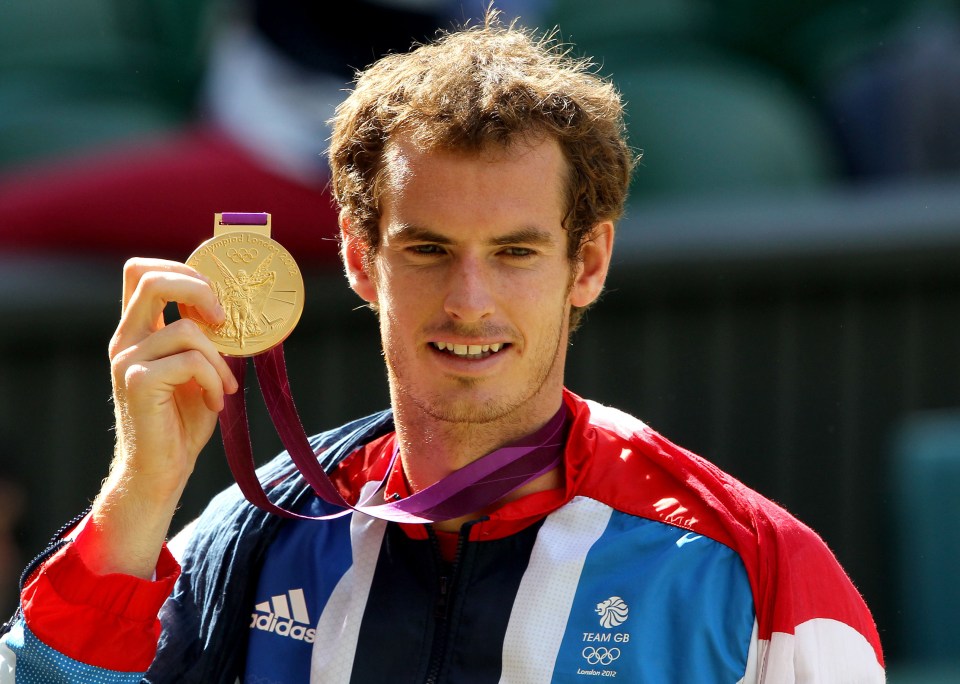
457 410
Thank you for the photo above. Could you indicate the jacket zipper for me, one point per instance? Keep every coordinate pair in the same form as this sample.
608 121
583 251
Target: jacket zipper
443 606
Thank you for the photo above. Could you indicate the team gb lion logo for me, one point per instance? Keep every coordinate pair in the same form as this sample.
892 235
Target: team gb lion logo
612 612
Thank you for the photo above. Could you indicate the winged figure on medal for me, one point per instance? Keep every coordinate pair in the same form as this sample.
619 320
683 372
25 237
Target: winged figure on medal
243 296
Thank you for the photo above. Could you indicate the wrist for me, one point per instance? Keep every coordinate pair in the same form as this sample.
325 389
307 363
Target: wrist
154 487
127 528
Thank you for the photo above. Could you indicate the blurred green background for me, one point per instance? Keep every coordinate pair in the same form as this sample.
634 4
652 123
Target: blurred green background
784 298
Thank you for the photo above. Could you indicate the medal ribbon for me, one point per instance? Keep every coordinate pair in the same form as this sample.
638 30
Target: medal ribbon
464 491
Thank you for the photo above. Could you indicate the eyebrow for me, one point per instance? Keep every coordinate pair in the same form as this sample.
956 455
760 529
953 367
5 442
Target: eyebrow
409 233
526 236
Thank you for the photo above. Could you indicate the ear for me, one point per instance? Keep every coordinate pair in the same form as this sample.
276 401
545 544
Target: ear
595 254
353 251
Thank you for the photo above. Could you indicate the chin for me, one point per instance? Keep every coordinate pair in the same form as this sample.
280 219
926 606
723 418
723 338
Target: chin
479 411
472 403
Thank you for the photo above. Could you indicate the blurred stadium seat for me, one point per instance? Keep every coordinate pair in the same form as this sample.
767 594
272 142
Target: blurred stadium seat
716 127
927 495
80 76
594 23
707 119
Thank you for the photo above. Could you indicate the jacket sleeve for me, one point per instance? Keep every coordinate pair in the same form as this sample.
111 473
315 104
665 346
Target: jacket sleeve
818 651
74 625
813 624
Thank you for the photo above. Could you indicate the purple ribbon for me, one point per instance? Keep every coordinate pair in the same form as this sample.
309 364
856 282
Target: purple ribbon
464 491
243 218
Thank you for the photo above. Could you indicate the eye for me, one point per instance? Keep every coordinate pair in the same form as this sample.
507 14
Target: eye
518 252
426 250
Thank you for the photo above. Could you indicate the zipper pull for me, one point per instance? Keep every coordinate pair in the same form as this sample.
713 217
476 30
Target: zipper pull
440 611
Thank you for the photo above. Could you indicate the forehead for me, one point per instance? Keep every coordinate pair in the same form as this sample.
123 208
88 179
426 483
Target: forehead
526 178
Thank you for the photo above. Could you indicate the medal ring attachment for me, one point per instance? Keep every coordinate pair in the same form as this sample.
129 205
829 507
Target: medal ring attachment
259 287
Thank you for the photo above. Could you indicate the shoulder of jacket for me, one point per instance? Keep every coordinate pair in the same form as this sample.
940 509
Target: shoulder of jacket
623 461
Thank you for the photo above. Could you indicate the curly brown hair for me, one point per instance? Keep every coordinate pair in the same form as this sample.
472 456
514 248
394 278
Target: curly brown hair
476 88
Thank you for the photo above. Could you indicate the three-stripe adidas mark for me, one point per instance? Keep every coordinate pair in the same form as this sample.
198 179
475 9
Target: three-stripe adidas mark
285 615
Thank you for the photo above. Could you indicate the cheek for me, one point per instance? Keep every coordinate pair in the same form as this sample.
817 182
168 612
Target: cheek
390 323
540 313
540 292
394 346
399 322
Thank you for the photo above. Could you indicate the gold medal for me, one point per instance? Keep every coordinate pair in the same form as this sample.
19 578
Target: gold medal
256 280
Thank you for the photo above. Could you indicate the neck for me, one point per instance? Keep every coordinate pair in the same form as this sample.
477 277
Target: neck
431 449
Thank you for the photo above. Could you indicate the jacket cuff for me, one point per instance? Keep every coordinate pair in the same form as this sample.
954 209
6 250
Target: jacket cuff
108 621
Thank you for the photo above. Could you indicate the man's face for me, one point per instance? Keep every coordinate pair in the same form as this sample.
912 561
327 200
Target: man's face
473 282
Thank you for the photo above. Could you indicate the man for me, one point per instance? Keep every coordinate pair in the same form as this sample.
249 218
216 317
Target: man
479 179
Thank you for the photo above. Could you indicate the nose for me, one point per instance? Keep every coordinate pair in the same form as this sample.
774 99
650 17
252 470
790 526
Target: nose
469 296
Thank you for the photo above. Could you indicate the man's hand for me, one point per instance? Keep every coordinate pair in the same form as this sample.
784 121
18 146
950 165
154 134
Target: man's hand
169 383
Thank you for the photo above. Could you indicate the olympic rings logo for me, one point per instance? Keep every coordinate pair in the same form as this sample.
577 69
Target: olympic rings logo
600 656
242 255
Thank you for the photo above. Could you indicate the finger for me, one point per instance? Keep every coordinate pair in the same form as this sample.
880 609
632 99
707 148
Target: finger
134 269
144 313
151 384
155 289
179 337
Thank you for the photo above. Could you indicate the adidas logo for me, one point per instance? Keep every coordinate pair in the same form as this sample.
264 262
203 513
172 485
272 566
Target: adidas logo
285 615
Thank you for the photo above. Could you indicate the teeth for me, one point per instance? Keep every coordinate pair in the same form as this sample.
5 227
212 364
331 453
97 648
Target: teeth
469 350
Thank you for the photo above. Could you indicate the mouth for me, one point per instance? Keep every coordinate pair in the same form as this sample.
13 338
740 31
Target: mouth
470 351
